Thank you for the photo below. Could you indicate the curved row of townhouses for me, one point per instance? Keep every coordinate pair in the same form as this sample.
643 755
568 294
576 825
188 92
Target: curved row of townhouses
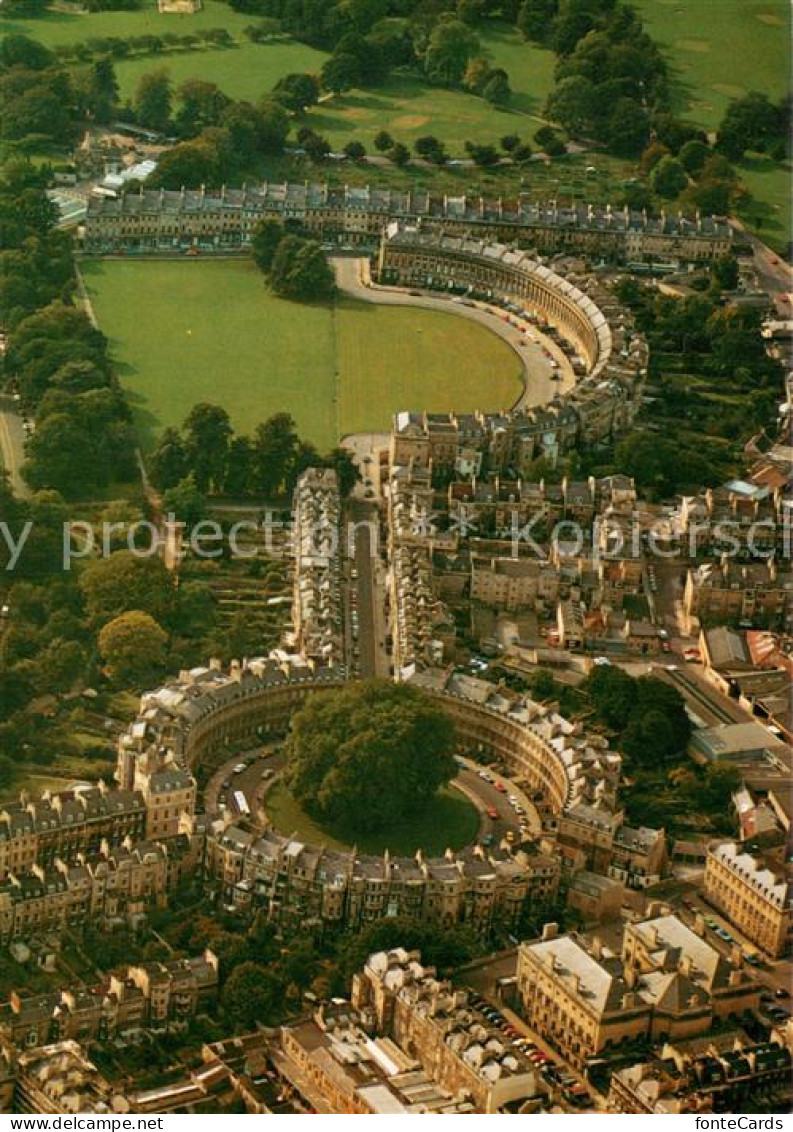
188 724
611 355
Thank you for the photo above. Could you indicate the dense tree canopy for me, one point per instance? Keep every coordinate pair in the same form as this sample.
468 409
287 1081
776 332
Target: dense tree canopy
647 714
300 270
134 647
367 754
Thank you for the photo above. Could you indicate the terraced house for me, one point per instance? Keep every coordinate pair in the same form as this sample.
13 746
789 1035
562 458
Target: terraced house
166 220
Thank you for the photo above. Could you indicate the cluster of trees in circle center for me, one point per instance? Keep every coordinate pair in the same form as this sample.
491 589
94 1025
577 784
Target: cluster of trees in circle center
365 756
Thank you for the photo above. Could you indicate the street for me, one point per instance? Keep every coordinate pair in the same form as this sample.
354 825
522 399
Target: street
539 386
12 444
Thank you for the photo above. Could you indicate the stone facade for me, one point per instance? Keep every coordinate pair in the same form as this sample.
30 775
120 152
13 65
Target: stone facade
667 983
754 894
160 220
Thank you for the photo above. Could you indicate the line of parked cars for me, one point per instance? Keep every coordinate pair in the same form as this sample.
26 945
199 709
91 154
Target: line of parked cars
552 1071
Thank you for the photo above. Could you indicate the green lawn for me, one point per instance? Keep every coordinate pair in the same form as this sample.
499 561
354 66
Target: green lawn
408 107
248 71
530 68
183 332
55 28
769 213
450 823
720 49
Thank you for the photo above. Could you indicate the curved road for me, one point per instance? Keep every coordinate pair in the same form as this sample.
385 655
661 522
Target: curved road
264 765
538 385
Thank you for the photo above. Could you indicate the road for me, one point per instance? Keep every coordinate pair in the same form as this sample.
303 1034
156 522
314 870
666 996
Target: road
12 444
539 386
264 765
774 275
366 591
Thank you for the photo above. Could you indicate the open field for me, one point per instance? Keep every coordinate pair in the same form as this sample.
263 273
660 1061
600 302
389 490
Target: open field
55 28
184 332
408 108
450 823
247 71
720 50
769 213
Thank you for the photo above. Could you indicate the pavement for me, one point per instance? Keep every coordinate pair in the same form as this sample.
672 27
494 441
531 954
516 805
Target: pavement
539 385
12 445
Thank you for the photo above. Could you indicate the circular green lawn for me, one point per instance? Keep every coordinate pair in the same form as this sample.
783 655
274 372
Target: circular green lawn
450 822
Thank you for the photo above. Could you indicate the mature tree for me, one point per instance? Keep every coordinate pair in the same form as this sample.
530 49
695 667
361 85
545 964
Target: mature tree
612 693
510 142
431 149
317 147
443 947
673 132
153 99
201 104
169 462
208 432
59 666
750 122
400 155
355 150
572 103
196 162
535 19
476 74
56 457
255 130
300 270
383 141
654 153
275 444
669 177
133 646
369 754
341 460
497 89
252 994
21 51
693 156
102 89
485 156
452 44
297 91
125 581
550 141
340 73
725 273
185 501
628 128
239 466
266 238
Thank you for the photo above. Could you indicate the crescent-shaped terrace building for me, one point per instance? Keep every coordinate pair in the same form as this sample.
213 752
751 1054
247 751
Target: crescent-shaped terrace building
584 316
186 728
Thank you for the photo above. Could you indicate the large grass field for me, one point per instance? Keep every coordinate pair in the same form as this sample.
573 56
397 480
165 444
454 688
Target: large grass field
247 71
55 28
721 49
450 823
188 331
406 106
